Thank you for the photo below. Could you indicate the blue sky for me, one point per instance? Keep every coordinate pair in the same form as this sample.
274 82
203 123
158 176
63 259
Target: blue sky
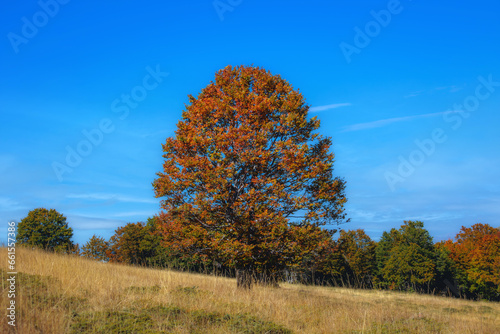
408 90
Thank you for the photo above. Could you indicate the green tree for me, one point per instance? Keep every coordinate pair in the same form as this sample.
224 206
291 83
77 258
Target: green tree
156 255
358 250
46 229
446 271
245 176
383 253
407 258
96 249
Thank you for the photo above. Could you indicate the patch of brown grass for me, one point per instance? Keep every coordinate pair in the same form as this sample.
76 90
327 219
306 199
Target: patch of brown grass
68 294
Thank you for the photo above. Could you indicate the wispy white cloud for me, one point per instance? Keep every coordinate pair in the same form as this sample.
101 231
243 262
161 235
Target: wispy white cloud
9 204
328 107
450 89
112 197
432 217
370 216
387 121
135 213
82 222
413 94
146 134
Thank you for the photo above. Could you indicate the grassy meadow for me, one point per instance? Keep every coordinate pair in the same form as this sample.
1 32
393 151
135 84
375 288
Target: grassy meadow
69 294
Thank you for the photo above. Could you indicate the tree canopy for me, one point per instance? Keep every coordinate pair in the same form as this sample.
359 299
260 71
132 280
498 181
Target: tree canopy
358 250
476 253
96 249
406 257
246 180
46 229
133 243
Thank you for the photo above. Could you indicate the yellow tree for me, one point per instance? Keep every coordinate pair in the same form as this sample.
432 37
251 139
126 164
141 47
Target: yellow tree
245 180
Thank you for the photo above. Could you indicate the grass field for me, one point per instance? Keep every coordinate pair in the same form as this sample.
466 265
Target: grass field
68 294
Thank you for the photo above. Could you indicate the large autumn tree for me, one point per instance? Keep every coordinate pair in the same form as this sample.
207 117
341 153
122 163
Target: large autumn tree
246 180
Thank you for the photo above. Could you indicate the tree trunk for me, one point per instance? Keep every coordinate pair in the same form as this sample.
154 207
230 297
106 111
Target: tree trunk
243 279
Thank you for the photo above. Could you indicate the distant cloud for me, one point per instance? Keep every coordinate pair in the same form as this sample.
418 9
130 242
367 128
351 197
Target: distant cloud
371 216
413 94
145 134
384 122
435 216
135 213
112 197
82 222
450 89
9 204
328 107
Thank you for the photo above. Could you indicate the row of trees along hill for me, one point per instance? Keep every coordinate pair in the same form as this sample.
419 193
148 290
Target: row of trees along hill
404 259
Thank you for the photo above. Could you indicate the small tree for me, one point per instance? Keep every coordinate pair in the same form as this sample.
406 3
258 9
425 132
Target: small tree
133 243
446 268
46 229
96 249
245 176
476 253
358 250
325 265
406 257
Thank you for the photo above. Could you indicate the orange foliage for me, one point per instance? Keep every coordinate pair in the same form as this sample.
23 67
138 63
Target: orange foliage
476 253
245 180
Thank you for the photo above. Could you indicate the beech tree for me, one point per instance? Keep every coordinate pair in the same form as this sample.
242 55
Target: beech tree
46 229
246 180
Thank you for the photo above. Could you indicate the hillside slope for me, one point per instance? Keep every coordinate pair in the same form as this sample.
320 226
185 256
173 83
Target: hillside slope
68 294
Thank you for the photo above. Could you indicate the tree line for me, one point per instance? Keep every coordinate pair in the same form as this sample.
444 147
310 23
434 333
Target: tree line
404 259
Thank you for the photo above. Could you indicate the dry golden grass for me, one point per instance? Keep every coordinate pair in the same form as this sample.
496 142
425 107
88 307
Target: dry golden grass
87 296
